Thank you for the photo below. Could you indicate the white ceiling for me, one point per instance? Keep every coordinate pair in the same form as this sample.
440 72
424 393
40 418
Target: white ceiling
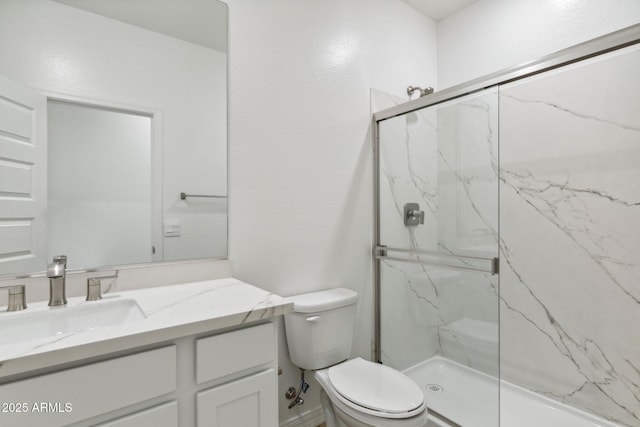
438 9
203 22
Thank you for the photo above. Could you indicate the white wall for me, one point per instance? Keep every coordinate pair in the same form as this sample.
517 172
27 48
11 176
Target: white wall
490 35
301 178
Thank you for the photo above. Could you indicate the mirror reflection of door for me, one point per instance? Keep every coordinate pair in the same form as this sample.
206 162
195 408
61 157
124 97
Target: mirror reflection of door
100 184
23 172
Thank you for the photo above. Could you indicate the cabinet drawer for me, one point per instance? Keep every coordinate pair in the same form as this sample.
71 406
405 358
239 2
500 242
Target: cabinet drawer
235 351
79 393
159 416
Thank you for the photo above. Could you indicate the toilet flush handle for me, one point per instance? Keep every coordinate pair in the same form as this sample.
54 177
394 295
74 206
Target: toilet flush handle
313 318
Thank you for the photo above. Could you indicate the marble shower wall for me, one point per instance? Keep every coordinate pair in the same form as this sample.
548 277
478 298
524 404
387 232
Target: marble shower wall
445 159
570 235
569 189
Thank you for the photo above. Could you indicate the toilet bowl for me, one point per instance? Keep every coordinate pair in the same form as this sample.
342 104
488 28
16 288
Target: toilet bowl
364 393
356 392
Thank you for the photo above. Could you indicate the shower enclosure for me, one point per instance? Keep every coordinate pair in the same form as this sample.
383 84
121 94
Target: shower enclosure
507 243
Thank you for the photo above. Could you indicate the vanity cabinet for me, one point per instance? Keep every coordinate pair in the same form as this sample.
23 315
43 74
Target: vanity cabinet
224 380
76 394
248 401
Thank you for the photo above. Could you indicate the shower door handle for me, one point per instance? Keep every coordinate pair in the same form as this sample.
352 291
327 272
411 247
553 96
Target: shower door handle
413 215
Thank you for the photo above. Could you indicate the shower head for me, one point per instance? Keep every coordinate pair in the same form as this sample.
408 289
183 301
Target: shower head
423 92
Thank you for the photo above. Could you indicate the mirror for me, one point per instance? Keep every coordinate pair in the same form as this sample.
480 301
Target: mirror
129 113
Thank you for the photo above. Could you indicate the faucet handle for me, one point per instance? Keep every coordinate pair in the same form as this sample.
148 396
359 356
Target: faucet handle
417 215
17 297
55 270
94 287
60 259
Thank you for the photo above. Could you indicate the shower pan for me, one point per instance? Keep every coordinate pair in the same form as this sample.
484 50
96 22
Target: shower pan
506 245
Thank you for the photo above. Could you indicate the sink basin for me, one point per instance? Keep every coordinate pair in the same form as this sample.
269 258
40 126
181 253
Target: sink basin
60 321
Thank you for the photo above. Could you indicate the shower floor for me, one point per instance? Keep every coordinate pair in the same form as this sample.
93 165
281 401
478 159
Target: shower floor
469 398
465 396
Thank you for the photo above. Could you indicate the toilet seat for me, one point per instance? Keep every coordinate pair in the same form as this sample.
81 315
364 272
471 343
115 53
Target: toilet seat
376 389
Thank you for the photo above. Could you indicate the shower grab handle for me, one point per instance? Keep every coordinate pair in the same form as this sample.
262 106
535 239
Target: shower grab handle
469 262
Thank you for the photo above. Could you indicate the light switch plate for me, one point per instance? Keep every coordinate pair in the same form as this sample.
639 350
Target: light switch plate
172 228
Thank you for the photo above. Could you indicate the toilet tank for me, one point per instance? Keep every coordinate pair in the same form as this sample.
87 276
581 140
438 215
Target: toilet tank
473 343
320 329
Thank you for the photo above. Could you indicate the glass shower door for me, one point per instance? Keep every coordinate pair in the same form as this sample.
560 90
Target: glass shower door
437 249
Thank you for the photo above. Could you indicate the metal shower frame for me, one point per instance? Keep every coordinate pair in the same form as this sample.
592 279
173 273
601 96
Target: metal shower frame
598 46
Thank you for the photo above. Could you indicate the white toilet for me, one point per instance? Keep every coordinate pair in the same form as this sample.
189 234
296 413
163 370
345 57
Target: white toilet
356 393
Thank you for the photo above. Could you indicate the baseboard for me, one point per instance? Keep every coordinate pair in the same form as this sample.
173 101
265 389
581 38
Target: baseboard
312 418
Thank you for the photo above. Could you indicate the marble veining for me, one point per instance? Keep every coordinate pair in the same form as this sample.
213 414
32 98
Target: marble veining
576 113
171 312
570 279
569 245
445 159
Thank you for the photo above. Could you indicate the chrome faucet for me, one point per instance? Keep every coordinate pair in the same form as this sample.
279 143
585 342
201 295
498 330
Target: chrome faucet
57 286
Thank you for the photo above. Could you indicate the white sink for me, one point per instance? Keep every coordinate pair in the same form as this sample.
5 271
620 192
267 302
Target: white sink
60 321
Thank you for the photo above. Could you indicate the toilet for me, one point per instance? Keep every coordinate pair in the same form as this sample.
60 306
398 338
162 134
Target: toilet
356 392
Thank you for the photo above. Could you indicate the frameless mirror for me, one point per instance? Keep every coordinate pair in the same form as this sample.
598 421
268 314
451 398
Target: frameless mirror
113 132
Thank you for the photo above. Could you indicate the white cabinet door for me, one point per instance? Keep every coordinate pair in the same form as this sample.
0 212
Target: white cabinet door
23 175
247 402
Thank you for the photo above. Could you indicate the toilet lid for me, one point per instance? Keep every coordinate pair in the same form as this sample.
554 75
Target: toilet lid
376 386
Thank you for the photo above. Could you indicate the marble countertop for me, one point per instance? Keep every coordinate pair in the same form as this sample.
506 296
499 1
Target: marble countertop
171 312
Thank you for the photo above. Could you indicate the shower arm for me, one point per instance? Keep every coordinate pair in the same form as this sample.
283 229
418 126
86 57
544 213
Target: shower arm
423 92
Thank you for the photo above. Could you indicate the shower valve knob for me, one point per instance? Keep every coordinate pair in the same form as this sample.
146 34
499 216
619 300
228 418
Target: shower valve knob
419 215
413 215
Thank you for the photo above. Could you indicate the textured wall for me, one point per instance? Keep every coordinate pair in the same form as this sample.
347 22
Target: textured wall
300 156
491 35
